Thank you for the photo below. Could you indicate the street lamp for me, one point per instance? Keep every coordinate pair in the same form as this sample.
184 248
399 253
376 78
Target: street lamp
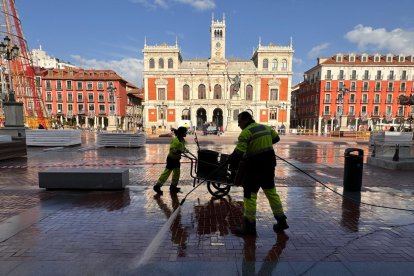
112 122
162 108
341 97
9 52
282 106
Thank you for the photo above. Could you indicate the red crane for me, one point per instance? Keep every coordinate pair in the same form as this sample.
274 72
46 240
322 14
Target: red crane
25 87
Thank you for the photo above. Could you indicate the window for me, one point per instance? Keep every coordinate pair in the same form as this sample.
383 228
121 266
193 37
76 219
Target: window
217 91
274 94
388 110
364 98
48 85
353 86
81 110
151 63
327 98
389 98
341 75
265 64
377 98
161 63
59 108
186 92
79 85
404 75
328 86
389 58
327 110
101 108
364 58
391 75
170 63
101 97
69 85
338 58
390 86
328 75
70 107
366 75
100 85
49 96
89 85
186 114
353 75
401 58
91 107
365 86
284 65
377 59
273 114
378 76
202 91
90 97
352 98
80 97
364 109
59 97
351 110
378 86
340 85
351 58
58 85
161 94
70 97
400 111
403 87
274 64
249 93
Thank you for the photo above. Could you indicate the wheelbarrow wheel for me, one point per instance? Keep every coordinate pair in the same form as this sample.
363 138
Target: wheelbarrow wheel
217 189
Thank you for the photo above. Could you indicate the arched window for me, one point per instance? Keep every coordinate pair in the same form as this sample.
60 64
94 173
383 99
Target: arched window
249 93
202 91
185 115
217 91
265 64
151 63
161 63
186 92
273 114
284 65
170 63
274 64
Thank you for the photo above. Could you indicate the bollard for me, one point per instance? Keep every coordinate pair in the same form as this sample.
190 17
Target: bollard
396 156
353 170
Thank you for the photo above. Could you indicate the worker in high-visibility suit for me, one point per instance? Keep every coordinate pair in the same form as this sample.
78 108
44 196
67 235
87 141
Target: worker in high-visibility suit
177 147
255 148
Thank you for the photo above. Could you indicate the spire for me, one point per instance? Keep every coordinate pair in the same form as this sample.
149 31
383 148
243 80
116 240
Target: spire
145 41
260 41
291 42
224 18
212 17
176 41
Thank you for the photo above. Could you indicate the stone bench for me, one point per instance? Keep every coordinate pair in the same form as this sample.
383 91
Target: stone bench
124 140
53 137
84 179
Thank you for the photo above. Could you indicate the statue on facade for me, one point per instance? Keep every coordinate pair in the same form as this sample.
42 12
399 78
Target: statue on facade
406 100
235 82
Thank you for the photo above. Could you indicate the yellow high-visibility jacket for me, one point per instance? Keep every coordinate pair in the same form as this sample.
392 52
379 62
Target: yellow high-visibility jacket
176 148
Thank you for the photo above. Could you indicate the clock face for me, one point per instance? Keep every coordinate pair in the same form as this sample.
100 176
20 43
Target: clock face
218 45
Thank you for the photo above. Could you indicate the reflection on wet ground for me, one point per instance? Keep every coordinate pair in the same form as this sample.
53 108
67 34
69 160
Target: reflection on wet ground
106 231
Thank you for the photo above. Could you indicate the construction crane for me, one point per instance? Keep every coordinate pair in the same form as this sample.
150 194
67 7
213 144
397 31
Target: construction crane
22 71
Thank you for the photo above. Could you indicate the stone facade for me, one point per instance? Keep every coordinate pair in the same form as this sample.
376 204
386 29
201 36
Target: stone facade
215 90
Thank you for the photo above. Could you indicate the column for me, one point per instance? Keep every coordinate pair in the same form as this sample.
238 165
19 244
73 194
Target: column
319 126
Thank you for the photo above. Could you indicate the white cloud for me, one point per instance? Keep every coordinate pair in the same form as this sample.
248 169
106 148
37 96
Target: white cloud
298 61
130 69
197 4
317 50
396 41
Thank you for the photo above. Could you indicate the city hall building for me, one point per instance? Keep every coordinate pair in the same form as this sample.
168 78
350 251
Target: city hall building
215 90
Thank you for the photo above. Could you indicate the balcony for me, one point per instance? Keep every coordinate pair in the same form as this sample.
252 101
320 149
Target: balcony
366 77
390 89
363 101
379 77
341 77
391 77
354 77
404 77
328 77
327 101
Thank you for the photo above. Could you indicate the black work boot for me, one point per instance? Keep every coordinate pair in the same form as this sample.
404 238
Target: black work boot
174 189
157 189
281 224
248 228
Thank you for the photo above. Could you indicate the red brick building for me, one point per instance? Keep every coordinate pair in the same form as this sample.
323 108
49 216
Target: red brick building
354 92
84 98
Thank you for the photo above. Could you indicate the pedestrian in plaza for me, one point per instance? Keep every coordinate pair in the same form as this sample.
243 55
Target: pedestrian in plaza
177 147
255 149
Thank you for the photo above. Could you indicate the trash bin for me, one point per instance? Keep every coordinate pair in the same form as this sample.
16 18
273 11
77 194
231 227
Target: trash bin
207 162
353 169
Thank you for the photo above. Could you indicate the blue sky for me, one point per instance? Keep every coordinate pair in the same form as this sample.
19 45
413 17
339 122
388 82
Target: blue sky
109 34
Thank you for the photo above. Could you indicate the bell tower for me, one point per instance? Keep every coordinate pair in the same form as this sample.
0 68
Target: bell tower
218 39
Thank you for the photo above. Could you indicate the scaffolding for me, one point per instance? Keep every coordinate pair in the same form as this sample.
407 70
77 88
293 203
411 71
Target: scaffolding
25 87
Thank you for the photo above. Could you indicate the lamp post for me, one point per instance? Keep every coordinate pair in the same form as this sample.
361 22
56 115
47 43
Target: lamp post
283 106
112 120
162 108
9 53
341 97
